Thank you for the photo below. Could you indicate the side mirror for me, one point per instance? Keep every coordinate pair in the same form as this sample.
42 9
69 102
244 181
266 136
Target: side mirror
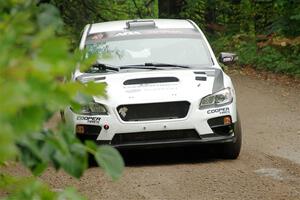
228 58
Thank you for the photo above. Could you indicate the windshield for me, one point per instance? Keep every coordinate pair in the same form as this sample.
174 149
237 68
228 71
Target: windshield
189 51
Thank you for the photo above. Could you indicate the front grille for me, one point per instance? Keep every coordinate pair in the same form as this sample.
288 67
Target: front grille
154 111
155 136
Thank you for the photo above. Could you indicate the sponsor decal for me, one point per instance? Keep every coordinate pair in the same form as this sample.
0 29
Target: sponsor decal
219 111
97 36
89 119
123 111
127 33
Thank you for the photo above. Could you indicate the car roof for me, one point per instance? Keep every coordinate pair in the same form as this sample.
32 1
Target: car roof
122 24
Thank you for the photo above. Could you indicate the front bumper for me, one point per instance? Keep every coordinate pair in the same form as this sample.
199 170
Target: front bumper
211 139
158 139
197 121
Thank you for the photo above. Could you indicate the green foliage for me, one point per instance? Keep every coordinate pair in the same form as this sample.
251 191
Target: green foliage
76 14
63 150
287 17
274 58
33 63
237 25
30 188
107 158
247 22
194 10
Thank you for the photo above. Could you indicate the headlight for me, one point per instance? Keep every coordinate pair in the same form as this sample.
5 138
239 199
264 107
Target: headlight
220 98
93 108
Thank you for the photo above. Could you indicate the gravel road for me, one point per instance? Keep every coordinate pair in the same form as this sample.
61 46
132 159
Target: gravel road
268 166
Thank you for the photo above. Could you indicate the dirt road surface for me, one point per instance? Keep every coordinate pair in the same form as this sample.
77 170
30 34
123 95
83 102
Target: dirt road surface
268 167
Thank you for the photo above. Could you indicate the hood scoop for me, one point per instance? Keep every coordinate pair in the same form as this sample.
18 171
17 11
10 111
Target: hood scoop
85 78
200 75
151 80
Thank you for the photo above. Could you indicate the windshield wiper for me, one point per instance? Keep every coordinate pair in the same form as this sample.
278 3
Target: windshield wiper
154 66
103 66
166 65
137 67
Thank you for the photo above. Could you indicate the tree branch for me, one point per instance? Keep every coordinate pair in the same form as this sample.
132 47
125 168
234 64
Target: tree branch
138 10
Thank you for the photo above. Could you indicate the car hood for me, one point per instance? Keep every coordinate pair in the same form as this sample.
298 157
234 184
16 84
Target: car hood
157 86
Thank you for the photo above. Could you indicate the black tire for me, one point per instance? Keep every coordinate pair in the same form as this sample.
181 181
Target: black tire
232 150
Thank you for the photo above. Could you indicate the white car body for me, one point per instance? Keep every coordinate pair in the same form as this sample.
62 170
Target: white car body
185 85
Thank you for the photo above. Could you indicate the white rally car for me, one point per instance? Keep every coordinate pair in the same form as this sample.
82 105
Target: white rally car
164 88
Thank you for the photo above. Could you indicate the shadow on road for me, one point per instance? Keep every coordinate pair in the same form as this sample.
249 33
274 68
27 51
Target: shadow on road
169 156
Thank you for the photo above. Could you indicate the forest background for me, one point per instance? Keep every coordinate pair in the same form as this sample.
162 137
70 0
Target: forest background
264 33
38 50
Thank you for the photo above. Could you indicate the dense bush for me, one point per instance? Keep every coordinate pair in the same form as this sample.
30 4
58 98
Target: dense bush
221 20
265 34
76 14
261 55
33 60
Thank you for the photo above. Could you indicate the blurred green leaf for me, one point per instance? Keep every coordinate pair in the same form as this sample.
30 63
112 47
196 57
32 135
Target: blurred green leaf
49 16
31 189
91 145
7 146
70 194
110 160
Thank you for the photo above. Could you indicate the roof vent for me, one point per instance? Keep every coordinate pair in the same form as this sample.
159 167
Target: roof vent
140 24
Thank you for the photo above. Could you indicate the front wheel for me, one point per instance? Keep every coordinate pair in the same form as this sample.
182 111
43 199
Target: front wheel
232 150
